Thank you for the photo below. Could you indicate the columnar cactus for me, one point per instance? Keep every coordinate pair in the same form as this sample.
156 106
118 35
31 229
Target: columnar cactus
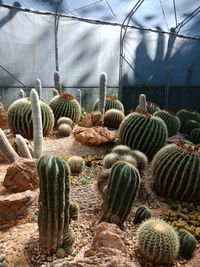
37 123
157 241
195 136
186 115
64 130
22 146
57 82
65 105
110 159
102 91
76 164
123 185
142 131
20 118
21 94
80 96
142 214
190 125
111 102
142 102
38 88
64 120
171 120
176 172
122 149
113 118
141 159
6 150
187 243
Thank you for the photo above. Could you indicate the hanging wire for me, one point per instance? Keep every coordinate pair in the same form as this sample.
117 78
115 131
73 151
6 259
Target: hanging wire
112 11
12 76
56 24
164 15
174 4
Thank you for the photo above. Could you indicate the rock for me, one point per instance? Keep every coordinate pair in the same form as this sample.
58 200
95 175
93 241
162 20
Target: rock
92 119
3 118
14 207
94 136
21 176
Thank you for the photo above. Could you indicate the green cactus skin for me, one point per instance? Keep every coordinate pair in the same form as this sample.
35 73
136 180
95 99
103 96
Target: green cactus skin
76 164
195 136
57 82
123 185
187 243
142 102
38 88
6 150
113 118
142 214
21 94
102 92
190 125
111 103
68 237
122 150
141 158
176 172
186 115
110 159
64 130
143 131
128 158
20 118
64 120
54 202
171 120
65 105
22 146
157 241
74 211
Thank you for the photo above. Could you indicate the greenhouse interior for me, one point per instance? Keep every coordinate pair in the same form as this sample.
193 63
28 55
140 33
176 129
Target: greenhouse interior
99 133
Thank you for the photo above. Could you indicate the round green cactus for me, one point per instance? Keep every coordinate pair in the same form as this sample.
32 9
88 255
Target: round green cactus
190 125
64 120
157 241
142 213
76 164
110 103
141 159
195 136
113 118
64 130
20 118
129 158
176 172
171 120
65 105
142 131
122 150
187 243
60 253
123 185
110 159
74 211
68 237
186 115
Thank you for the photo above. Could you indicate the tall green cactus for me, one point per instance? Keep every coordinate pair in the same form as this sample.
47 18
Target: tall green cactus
195 136
102 91
123 185
22 146
176 172
113 118
111 102
57 82
142 102
186 115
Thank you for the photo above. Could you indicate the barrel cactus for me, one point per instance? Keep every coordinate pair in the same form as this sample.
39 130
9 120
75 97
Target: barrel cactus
129 158
123 185
65 105
176 172
195 136
157 241
110 159
171 120
111 102
186 115
64 130
190 125
142 131
76 164
122 149
20 118
142 213
64 120
113 118
187 243
141 159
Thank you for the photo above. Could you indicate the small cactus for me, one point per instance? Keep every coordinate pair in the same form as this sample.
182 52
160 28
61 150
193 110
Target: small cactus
142 213
190 125
141 158
64 120
186 115
76 164
64 130
121 150
68 237
113 118
57 82
55 92
195 136
102 92
111 102
21 94
22 146
74 211
142 102
110 159
60 253
187 243
129 158
38 88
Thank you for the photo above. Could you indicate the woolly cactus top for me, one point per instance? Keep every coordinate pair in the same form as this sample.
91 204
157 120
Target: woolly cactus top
188 148
111 97
170 112
151 104
66 96
146 113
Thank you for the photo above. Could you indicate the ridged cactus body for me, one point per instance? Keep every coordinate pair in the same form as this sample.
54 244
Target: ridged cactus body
102 92
57 82
110 159
64 130
22 146
187 243
142 102
76 164
64 120
190 125
142 214
143 131
111 102
123 185
113 118
195 136
186 115
157 241
176 172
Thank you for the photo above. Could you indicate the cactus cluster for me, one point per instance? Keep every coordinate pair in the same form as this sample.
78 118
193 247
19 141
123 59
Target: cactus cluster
186 115
176 172
111 102
122 150
187 243
110 159
129 158
76 164
190 125
64 120
143 213
64 130
157 241
113 118
195 136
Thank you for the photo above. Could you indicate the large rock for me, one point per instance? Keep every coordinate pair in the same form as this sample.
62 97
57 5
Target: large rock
92 119
3 118
94 136
21 176
14 207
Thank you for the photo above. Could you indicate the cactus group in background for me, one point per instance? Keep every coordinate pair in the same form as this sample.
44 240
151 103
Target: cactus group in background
57 82
157 241
123 185
111 103
6 150
187 243
20 118
76 164
65 105
113 118
110 159
64 120
142 214
176 172
186 115
171 120
21 94
190 125
38 88
22 146
102 92
142 102
64 130
195 136
141 159
142 131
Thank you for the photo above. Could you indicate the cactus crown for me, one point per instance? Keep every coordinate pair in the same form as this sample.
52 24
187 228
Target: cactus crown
187 147
191 110
66 96
170 112
111 97
143 112
151 104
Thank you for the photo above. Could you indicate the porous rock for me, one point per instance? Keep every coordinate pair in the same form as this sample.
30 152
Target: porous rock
92 119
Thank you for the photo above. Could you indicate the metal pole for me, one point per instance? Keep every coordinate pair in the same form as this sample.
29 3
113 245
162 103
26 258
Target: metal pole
56 24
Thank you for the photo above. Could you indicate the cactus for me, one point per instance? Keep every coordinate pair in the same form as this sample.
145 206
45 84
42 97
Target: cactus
123 185
57 82
55 92
111 103
142 131
129 158
76 164
102 92
37 124
65 105
157 241
113 118
20 118
68 237
60 253
186 115
142 213
171 120
6 150
80 97
74 211
195 136
150 107
142 102
176 172
110 159
22 146
38 88
21 94
141 159
190 125
64 120
187 243
64 130
121 150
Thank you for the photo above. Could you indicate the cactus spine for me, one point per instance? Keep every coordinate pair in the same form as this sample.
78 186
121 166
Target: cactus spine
6 150
187 243
102 91
22 146
142 102
142 214
195 136
21 94
113 118
38 88
57 82
37 124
